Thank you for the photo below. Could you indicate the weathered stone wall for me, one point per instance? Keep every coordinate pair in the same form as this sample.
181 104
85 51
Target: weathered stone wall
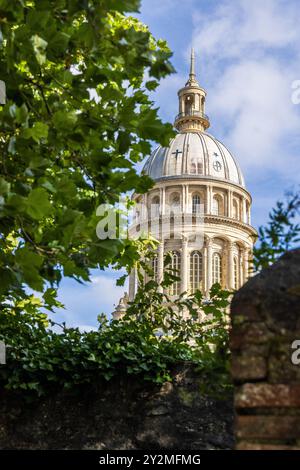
266 322
124 413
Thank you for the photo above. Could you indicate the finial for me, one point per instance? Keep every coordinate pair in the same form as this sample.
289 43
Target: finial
192 77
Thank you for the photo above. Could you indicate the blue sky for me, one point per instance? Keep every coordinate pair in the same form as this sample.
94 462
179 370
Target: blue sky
248 56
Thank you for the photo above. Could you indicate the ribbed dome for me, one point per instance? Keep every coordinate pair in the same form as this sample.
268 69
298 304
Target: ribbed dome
194 155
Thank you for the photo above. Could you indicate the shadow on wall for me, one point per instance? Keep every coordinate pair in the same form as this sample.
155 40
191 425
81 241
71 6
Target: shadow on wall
124 413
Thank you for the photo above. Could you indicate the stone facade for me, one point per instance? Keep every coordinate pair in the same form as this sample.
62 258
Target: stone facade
265 336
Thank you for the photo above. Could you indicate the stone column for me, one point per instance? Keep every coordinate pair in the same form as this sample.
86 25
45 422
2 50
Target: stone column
183 192
241 269
184 266
240 209
230 266
160 264
160 199
145 209
229 201
248 214
209 199
132 282
186 199
205 269
244 210
163 201
209 265
246 265
145 214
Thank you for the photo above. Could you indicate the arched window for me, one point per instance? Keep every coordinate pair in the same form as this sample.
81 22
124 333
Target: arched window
155 207
196 167
196 202
193 168
195 271
175 267
188 105
236 272
216 206
175 204
216 268
154 266
235 209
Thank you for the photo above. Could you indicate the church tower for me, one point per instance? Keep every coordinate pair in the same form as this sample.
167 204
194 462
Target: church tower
192 98
199 208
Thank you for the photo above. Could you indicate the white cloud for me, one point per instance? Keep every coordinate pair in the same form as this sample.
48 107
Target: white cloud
240 27
250 49
256 98
84 302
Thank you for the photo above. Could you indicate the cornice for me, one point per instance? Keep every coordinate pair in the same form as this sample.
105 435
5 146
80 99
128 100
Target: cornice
222 220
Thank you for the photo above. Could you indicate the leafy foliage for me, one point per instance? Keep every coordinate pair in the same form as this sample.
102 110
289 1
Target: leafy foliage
150 339
280 234
77 120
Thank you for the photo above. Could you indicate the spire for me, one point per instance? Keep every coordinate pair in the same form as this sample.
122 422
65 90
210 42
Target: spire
192 68
192 77
191 116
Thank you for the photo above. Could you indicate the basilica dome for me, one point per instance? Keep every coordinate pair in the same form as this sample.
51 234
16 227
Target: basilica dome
198 208
194 155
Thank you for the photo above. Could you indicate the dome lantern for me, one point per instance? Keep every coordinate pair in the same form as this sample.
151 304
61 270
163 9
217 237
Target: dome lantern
191 116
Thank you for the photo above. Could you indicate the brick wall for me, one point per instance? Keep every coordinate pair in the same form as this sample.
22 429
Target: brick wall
265 324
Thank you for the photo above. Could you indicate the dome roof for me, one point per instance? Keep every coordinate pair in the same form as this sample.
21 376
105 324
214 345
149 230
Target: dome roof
194 155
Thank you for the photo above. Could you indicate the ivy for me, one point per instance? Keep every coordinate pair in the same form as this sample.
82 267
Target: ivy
152 337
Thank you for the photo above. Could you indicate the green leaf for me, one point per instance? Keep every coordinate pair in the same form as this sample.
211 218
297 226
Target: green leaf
152 85
39 48
4 186
37 132
38 205
63 120
30 263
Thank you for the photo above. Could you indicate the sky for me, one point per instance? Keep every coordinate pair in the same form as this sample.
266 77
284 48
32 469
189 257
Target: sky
248 60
